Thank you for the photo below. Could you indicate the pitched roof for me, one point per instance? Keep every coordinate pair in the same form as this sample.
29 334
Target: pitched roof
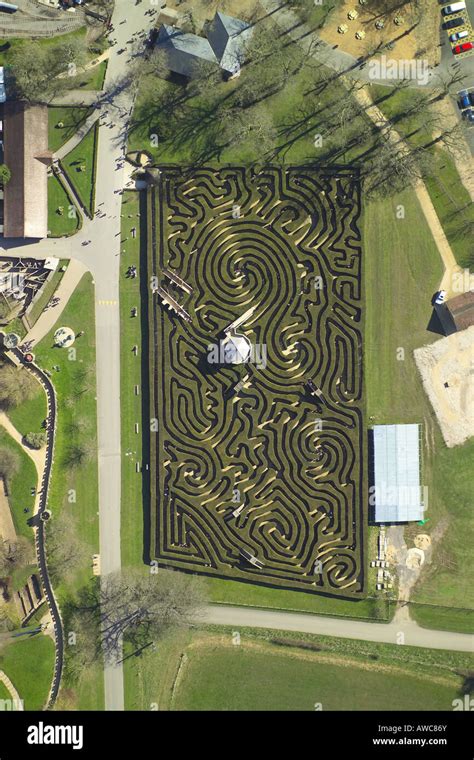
26 155
228 37
184 51
461 309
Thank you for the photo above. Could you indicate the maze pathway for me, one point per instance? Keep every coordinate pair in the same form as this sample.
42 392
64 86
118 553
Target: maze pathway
258 469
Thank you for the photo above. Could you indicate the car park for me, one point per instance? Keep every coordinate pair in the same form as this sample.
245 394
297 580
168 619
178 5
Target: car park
452 23
463 48
464 99
448 10
459 35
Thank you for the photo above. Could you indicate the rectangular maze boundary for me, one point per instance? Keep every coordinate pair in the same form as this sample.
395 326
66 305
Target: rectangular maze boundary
288 216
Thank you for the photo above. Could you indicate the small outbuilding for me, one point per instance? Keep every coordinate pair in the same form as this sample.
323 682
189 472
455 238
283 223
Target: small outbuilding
396 473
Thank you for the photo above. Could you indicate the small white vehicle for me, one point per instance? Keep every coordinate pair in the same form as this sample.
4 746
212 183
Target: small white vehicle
448 10
459 35
440 297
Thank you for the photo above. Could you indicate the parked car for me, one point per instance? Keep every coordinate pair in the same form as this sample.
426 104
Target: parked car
469 115
459 35
440 297
453 23
463 48
448 10
464 99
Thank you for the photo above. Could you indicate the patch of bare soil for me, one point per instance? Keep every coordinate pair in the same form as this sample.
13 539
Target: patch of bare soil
416 37
445 369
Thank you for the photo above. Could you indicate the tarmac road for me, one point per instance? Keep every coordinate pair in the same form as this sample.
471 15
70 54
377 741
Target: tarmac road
388 633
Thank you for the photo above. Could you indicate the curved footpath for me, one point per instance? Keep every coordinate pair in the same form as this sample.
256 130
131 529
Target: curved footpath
39 525
18 702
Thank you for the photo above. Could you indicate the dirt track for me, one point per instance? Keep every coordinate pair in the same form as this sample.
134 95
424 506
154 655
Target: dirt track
449 361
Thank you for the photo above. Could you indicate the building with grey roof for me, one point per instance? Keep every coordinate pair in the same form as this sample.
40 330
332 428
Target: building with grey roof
184 52
228 37
396 473
224 46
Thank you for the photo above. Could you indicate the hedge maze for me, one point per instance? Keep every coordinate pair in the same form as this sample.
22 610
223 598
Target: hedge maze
258 460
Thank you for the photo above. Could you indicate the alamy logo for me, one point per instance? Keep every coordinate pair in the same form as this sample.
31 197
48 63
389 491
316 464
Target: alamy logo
45 734
463 704
389 68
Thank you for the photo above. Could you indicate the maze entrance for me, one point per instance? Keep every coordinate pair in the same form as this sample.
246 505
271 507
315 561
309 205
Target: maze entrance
257 446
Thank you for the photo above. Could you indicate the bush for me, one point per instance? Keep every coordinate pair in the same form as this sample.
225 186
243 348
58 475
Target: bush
35 440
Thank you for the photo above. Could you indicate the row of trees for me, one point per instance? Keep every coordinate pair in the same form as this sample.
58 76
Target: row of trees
40 72
208 117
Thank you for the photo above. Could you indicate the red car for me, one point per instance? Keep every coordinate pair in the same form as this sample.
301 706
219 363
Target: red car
462 48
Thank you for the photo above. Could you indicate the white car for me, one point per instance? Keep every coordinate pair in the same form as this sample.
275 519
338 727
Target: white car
448 10
440 297
458 35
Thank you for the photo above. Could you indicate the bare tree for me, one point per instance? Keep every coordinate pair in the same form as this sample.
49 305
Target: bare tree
16 386
15 554
67 553
136 607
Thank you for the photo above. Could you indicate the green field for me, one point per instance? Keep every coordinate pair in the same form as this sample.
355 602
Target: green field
29 663
75 460
131 376
7 46
47 292
91 79
77 426
450 198
269 670
80 166
28 416
71 117
4 693
60 224
190 127
19 486
402 266
246 594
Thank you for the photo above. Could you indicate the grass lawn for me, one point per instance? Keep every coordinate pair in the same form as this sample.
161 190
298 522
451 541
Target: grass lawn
233 592
19 486
75 465
60 225
443 598
71 117
47 292
4 693
27 417
8 46
29 663
402 270
16 326
92 79
260 674
83 156
449 196
188 132
131 376
77 426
